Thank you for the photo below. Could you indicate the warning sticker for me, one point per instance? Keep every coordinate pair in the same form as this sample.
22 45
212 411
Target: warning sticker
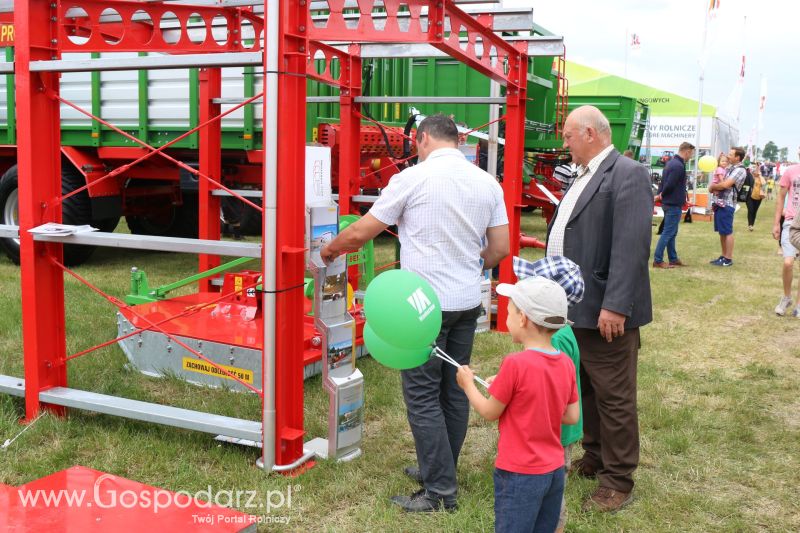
201 367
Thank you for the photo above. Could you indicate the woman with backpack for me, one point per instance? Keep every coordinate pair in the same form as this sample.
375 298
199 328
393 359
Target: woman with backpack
755 195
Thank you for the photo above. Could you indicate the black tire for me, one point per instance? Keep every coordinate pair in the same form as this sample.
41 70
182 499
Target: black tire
9 213
166 221
187 217
235 212
75 210
251 218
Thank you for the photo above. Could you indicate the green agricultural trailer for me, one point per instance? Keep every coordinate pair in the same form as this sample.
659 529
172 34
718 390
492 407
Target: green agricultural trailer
628 118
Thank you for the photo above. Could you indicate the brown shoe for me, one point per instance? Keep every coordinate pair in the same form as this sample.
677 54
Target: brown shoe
677 263
662 264
583 469
606 500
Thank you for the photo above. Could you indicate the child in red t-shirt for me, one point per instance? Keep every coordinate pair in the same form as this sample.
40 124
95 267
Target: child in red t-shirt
533 394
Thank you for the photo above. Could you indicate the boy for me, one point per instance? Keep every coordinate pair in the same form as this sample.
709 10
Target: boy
567 274
533 394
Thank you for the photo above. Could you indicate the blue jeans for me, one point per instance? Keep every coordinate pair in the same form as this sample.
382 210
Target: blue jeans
527 503
672 219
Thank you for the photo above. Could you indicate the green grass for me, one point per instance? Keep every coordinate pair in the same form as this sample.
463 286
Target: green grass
718 382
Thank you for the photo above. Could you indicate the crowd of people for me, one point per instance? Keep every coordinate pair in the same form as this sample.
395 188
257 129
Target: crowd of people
735 181
577 312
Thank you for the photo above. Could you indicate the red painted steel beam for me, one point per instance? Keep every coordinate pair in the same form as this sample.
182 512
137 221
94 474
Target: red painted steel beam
39 165
290 201
86 32
335 28
386 29
349 130
349 153
329 56
512 170
210 139
506 54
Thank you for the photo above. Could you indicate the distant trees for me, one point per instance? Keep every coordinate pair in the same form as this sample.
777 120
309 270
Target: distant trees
770 151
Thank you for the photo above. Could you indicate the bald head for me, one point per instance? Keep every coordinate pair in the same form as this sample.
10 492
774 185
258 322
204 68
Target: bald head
586 133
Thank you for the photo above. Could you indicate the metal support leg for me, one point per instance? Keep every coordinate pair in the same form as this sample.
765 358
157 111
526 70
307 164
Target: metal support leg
210 165
39 164
512 171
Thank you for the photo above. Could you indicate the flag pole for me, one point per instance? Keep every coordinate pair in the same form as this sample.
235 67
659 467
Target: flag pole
627 44
760 120
699 111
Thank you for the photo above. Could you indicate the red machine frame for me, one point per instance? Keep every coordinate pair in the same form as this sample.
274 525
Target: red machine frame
43 30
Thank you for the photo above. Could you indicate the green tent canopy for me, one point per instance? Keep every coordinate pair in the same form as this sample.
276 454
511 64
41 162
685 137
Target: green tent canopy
586 81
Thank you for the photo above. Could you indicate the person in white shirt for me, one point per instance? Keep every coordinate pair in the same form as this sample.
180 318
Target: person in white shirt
452 225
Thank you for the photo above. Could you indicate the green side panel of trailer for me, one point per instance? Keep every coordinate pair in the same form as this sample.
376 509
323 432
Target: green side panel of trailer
627 116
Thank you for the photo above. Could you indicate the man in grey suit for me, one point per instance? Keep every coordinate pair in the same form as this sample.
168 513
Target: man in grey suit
603 223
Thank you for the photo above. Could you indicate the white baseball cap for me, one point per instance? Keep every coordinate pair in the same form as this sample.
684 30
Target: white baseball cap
542 300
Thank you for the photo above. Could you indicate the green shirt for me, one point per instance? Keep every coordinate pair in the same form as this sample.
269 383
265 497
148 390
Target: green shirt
565 341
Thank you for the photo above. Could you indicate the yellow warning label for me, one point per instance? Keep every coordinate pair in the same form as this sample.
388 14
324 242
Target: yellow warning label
201 367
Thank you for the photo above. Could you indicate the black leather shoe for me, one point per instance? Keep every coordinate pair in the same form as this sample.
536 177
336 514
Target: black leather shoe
423 501
413 473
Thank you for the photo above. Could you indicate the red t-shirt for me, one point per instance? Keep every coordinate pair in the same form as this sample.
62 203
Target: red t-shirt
536 388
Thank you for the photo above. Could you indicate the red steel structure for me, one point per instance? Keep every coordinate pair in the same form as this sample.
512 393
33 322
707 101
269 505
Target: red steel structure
43 30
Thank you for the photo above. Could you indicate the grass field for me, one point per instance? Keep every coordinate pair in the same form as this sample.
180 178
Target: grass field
718 403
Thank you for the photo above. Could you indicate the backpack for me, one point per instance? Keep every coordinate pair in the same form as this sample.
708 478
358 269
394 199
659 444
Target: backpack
744 192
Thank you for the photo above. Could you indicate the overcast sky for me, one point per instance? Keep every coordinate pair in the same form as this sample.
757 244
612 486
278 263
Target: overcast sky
671 34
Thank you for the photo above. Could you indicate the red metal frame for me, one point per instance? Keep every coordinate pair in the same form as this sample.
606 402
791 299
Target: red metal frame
43 32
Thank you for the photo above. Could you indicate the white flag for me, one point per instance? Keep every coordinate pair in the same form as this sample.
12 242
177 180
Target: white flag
762 103
635 43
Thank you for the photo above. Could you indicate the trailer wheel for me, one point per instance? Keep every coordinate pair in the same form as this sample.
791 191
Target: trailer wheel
236 212
187 217
9 211
251 218
76 210
166 220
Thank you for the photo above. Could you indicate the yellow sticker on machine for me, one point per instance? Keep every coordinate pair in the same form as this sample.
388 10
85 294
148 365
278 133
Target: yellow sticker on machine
201 367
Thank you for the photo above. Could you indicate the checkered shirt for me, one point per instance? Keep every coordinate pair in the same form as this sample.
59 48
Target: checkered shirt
728 197
555 241
558 268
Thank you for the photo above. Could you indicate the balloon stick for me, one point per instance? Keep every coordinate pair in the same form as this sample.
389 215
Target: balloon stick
444 357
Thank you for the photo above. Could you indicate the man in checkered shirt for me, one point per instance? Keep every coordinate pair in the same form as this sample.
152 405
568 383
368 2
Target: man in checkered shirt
725 205
445 209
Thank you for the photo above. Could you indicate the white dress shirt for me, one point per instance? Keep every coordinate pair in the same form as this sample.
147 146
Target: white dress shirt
442 208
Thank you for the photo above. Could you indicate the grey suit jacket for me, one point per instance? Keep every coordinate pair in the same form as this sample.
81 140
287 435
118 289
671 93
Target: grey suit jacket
608 235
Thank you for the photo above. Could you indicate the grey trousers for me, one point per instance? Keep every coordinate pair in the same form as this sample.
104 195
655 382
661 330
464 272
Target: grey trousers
437 408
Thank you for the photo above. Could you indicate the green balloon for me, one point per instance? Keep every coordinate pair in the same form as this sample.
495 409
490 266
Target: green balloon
402 309
392 356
